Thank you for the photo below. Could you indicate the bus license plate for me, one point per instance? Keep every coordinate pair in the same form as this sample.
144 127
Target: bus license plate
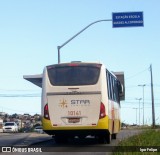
73 120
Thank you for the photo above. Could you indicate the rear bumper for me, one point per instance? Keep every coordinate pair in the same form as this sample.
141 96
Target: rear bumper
101 128
77 132
8 130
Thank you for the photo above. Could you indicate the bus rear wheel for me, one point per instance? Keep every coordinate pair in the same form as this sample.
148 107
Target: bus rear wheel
108 138
114 136
60 139
105 139
102 140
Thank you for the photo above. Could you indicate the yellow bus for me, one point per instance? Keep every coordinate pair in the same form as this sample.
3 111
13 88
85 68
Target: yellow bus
80 99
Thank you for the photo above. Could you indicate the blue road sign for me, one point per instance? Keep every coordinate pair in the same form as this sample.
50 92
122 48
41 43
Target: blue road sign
127 19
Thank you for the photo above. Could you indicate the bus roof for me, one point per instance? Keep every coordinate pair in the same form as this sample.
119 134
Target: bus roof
75 63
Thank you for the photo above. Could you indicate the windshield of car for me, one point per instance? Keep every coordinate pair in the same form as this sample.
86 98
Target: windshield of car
38 127
9 124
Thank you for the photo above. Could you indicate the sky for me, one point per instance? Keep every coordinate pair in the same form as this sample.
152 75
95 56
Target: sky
30 32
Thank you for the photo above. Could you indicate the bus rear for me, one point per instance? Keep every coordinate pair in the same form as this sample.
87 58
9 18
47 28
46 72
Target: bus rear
72 100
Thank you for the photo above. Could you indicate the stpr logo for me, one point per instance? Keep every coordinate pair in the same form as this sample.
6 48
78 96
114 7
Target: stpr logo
63 103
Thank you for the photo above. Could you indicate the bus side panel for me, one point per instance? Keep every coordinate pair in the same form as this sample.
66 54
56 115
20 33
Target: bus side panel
113 103
109 105
116 118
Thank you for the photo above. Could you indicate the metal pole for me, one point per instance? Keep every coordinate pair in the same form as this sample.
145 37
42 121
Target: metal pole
136 114
143 100
139 109
139 114
59 47
143 105
152 94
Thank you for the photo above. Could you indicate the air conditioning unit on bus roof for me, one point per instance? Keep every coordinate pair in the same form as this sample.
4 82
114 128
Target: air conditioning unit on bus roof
76 61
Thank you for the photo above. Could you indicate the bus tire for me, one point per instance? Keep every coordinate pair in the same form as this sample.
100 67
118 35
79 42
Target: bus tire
60 139
102 140
114 136
108 138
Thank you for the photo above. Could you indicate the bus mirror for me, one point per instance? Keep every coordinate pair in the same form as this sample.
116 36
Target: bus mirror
120 88
121 91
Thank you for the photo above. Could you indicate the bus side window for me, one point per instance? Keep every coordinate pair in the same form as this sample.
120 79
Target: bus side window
111 87
108 85
114 90
117 91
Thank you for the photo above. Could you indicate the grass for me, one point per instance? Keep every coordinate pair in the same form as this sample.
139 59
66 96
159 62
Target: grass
148 139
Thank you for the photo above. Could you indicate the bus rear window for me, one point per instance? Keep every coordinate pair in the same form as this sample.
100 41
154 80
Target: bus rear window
73 75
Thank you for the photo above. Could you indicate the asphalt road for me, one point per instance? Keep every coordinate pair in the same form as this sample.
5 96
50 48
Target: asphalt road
88 146
11 139
21 139
89 141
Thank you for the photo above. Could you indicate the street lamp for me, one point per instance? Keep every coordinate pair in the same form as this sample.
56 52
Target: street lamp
136 114
143 99
139 108
59 47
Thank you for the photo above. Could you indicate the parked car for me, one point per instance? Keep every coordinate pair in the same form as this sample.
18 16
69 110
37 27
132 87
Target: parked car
38 129
10 127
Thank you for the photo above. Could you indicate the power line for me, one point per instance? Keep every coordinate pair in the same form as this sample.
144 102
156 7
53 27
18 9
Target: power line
14 110
20 95
131 101
135 86
19 90
136 74
141 108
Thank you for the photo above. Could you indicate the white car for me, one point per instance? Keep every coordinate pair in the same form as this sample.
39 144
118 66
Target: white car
38 129
10 127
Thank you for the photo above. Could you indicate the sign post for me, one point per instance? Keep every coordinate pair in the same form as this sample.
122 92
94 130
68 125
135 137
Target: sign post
121 19
127 19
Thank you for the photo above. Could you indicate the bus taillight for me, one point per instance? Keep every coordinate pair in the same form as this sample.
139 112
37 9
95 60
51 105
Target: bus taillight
102 111
46 112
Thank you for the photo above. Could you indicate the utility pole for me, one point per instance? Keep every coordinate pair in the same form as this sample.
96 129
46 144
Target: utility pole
143 100
139 110
152 95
